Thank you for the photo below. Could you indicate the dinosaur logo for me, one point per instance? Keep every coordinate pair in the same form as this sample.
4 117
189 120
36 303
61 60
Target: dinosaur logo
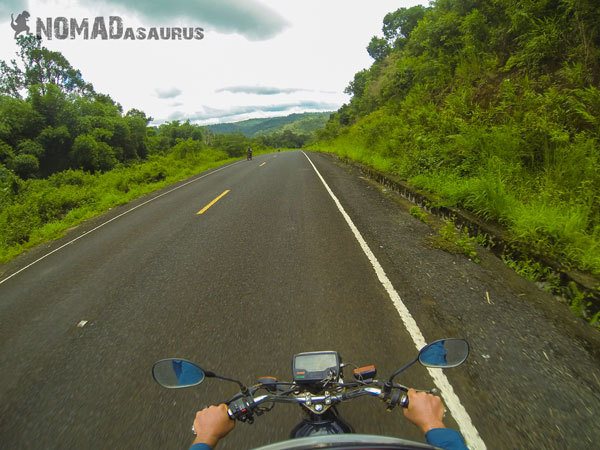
20 25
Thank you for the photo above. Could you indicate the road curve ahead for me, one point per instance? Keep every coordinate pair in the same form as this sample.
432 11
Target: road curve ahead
238 271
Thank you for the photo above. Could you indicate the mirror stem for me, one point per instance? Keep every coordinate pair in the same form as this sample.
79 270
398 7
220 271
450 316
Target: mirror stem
400 370
243 388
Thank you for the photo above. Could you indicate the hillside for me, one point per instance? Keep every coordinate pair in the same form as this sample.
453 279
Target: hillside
493 107
300 124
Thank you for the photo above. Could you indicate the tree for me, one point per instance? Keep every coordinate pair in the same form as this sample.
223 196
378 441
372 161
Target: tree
26 166
9 183
187 148
29 147
40 66
12 79
57 142
233 144
18 120
52 104
6 154
378 48
399 24
59 108
92 155
137 121
358 84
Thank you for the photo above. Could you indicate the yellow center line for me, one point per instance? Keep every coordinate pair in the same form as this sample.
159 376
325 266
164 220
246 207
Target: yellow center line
206 208
262 164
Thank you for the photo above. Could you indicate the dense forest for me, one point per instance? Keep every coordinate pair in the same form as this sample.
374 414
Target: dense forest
492 106
68 153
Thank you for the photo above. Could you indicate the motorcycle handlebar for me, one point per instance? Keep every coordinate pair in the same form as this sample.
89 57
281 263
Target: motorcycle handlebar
242 408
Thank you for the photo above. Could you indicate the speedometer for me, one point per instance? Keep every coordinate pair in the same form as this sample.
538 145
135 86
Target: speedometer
313 367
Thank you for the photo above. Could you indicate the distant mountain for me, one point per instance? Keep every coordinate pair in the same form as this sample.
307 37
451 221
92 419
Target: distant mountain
304 123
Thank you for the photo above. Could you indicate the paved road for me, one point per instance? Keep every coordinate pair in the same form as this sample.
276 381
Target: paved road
269 270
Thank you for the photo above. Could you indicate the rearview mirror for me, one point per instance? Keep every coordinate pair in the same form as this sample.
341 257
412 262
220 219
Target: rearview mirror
445 353
175 373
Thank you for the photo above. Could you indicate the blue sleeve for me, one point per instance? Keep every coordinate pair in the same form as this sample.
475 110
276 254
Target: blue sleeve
200 447
445 438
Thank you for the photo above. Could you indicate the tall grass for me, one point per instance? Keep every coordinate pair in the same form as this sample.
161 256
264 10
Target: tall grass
551 211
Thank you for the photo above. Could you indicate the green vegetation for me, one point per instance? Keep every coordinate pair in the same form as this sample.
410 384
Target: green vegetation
68 153
580 305
418 213
580 302
492 106
454 240
534 271
292 131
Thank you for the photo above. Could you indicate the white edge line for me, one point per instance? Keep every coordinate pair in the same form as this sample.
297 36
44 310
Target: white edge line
443 384
115 218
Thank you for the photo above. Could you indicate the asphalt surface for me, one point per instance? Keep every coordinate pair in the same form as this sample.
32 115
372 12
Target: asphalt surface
270 270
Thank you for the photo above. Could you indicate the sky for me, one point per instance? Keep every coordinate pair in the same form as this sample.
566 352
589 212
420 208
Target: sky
257 58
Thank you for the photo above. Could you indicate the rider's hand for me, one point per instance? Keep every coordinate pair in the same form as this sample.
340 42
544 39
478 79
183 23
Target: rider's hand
212 424
424 410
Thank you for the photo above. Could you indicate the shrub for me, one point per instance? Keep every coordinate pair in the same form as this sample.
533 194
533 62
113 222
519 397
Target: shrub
90 154
454 240
186 149
29 147
418 213
6 153
25 165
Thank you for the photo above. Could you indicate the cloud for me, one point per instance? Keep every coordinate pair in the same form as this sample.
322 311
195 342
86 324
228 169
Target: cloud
259 90
267 90
168 93
8 7
250 18
221 115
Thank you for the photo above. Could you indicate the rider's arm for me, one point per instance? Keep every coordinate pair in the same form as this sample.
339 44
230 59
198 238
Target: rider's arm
445 438
427 412
211 425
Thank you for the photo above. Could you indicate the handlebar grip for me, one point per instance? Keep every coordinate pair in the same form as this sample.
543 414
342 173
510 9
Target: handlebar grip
404 400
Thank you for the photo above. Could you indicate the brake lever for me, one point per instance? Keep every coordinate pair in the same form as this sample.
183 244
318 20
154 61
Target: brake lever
434 391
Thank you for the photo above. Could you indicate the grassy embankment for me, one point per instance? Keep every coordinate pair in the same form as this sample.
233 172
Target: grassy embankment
535 220
527 207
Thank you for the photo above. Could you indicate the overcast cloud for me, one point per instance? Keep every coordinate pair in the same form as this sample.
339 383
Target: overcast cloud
259 58
259 90
15 7
250 18
168 93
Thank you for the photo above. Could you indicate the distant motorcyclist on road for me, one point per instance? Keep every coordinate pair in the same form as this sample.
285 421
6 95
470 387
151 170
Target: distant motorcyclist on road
249 154
426 411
